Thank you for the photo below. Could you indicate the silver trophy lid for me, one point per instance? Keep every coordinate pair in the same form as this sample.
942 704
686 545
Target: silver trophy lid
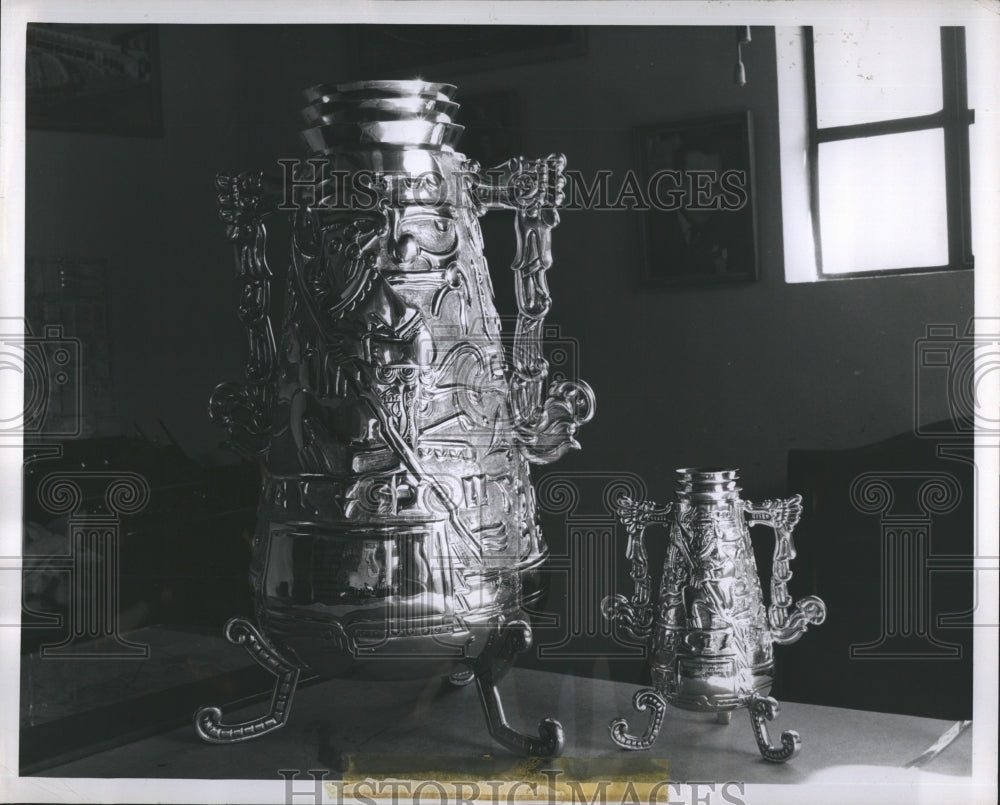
382 115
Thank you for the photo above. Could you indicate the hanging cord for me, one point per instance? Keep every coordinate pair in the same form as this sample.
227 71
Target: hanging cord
742 38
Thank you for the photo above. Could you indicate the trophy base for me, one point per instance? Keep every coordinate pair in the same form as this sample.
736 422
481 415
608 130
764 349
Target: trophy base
761 708
711 684
500 642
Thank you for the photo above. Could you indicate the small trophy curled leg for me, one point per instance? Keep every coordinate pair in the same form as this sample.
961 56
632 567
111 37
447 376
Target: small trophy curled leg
208 720
644 699
507 640
763 709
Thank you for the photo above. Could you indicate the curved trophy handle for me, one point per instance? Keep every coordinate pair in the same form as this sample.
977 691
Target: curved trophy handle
546 418
245 408
783 516
636 615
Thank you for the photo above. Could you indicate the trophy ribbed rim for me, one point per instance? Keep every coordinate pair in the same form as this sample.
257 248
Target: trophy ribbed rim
709 473
363 115
316 116
707 483
383 88
378 109
334 137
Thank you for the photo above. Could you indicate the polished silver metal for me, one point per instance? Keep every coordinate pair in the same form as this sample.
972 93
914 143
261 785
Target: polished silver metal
366 90
644 699
397 529
711 638
208 720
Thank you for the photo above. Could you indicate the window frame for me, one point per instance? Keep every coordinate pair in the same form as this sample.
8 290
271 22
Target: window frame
954 119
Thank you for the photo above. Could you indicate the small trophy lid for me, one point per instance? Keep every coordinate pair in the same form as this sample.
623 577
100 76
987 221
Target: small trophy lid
708 483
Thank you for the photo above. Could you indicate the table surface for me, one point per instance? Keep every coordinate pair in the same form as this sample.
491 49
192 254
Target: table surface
423 729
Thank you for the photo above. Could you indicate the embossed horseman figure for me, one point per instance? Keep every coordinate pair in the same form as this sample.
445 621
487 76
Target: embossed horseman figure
397 527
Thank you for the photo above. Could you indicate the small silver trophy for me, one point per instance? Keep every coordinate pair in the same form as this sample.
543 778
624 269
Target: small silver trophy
711 638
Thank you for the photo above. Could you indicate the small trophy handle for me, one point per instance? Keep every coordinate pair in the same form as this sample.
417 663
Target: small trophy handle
545 419
783 516
245 408
636 615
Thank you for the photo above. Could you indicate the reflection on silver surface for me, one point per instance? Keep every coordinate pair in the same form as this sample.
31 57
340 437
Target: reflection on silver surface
332 110
414 132
366 90
383 114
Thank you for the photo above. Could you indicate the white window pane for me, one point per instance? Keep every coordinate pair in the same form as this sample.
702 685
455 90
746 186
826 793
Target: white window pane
868 71
882 202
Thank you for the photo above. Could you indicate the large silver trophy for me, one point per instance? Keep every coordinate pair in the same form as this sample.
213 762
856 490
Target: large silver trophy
397 529
710 635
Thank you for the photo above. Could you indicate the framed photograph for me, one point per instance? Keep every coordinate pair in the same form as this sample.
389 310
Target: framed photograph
699 225
102 79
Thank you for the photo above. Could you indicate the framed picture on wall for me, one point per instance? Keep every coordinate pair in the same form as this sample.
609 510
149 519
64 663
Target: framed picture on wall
101 79
699 225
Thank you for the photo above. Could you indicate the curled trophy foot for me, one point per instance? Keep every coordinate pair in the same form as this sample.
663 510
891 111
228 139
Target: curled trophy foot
461 677
518 636
646 698
550 741
506 641
765 708
724 717
208 720
552 738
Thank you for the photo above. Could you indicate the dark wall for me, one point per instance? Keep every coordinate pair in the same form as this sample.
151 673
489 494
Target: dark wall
733 375
737 374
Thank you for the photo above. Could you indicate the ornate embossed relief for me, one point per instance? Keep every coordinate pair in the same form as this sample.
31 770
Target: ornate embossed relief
397 520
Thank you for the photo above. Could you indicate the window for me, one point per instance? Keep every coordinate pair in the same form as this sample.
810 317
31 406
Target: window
875 150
